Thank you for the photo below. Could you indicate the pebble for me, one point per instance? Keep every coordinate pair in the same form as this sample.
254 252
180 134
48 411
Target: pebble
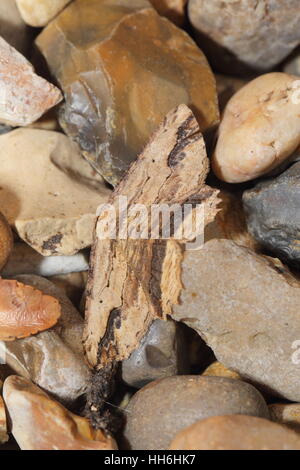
38 13
157 412
12 27
216 369
287 414
40 423
260 128
52 209
133 59
53 359
162 353
236 432
73 285
273 215
25 96
25 310
257 34
227 86
25 260
246 308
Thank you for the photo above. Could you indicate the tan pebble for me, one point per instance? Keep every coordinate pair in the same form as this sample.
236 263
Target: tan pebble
236 433
39 12
40 423
260 128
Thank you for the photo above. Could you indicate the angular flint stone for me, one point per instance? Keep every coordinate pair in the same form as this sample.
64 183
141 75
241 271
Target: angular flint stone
122 68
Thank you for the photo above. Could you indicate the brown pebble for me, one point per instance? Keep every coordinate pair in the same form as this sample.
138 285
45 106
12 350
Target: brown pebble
236 433
157 412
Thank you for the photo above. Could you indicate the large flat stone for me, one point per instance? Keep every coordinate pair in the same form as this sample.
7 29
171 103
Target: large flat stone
247 310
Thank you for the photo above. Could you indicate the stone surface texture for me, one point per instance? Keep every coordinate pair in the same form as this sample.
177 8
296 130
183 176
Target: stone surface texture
157 412
246 308
174 10
272 208
293 65
287 414
3 424
51 209
40 423
230 221
25 310
124 68
12 27
260 128
259 33
73 285
162 353
26 260
38 13
53 359
216 369
24 95
6 241
236 433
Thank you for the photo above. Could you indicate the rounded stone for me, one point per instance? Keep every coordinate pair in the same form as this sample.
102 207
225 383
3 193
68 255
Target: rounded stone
162 353
236 433
160 410
260 128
